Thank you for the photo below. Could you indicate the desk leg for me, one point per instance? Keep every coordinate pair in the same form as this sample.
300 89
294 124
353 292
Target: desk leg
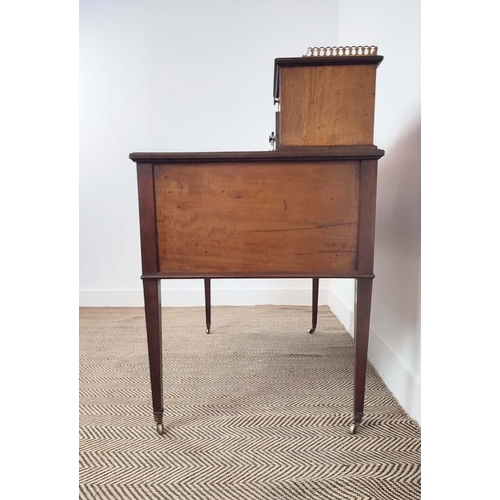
315 305
152 303
362 331
207 304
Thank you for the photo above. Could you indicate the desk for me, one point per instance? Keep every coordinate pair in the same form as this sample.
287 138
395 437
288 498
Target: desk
297 212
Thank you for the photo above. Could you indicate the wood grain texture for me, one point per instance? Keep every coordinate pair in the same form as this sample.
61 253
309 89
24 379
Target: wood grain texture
315 294
253 275
152 306
327 105
147 218
300 153
208 303
319 61
367 206
361 336
262 218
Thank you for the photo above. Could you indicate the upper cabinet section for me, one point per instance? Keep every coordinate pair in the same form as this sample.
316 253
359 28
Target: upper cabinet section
327 98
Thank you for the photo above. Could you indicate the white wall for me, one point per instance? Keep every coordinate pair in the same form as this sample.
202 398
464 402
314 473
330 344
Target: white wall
177 76
394 350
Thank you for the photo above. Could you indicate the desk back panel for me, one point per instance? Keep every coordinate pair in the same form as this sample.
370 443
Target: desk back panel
257 217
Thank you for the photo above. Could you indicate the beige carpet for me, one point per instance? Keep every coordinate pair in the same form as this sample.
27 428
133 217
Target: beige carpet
258 409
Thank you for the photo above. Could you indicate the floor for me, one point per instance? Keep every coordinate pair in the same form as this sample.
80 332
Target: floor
258 409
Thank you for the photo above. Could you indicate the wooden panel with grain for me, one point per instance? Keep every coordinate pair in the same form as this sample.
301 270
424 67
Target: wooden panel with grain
327 105
367 206
145 184
258 218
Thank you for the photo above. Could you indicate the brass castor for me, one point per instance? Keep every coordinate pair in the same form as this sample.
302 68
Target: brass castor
208 329
353 427
159 428
311 330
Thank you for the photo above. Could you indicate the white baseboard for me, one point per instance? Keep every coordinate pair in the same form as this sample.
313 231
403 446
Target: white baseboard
343 312
237 295
398 377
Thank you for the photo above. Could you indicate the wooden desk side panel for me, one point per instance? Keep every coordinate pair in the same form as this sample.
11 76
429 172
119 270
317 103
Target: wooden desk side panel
266 218
327 105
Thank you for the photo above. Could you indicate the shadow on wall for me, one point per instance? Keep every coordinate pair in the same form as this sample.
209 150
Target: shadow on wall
396 291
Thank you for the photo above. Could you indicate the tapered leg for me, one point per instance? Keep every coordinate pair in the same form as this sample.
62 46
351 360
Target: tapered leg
315 305
208 306
362 331
152 304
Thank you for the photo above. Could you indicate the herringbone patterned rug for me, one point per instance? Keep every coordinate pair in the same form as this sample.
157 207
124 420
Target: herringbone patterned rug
258 409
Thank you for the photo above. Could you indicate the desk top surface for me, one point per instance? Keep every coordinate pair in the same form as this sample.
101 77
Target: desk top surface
368 152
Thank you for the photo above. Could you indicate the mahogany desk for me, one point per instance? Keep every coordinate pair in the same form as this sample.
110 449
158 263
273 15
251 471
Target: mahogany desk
297 212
